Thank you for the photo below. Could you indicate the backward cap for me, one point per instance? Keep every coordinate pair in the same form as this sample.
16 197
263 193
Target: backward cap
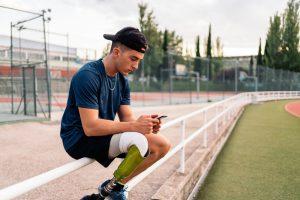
130 37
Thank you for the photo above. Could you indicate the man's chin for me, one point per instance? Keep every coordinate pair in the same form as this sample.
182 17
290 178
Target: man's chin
124 73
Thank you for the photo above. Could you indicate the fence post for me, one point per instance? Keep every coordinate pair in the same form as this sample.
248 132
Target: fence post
24 91
217 121
182 152
224 117
34 89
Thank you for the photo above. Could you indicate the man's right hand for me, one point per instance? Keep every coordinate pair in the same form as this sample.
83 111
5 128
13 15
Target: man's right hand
144 124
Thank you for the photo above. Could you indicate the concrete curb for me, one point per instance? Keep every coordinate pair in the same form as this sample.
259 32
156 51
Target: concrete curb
182 186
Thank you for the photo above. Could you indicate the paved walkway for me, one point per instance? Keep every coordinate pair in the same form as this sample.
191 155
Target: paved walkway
11 118
31 148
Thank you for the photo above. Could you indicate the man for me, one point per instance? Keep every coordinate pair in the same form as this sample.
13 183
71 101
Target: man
99 91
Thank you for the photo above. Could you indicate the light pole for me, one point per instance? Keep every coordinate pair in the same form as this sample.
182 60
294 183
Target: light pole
36 16
48 74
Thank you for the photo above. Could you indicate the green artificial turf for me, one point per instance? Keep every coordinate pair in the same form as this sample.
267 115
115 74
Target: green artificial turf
261 159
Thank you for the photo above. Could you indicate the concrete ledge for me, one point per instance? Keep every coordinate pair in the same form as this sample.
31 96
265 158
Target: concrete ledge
179 186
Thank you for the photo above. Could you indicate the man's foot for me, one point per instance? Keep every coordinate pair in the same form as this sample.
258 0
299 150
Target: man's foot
119 192
92 197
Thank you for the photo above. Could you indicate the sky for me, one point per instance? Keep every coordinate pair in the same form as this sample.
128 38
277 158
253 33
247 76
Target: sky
239 23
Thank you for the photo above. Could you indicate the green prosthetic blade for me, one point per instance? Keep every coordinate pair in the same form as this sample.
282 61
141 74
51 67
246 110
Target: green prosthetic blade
129 164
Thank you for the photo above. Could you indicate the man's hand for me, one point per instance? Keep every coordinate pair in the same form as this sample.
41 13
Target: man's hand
145 123
156 126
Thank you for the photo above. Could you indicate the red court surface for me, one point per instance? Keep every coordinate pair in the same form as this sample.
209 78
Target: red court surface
293 108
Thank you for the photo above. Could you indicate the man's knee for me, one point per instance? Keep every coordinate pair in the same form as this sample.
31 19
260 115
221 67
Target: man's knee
165 148
129 139
161 148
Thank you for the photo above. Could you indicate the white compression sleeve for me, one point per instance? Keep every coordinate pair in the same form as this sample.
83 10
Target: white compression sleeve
120 143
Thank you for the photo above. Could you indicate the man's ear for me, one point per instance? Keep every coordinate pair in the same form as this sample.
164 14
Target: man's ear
116 51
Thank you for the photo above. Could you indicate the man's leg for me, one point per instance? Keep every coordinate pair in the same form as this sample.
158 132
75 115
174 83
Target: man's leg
135 145
158 146
136 160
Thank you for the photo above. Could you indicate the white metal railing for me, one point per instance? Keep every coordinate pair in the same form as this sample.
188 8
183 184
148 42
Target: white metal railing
223 111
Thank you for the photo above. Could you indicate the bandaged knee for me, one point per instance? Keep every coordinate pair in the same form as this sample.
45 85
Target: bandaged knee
120 143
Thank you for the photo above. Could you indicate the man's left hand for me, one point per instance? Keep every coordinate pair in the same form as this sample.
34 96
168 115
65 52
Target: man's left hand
156 126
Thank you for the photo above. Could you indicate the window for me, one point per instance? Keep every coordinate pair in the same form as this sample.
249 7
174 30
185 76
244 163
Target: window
54 58
35 56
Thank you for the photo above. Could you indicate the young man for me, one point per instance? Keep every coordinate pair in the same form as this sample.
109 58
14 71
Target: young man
99 91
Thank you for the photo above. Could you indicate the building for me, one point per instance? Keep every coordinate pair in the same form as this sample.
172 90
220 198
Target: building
63 61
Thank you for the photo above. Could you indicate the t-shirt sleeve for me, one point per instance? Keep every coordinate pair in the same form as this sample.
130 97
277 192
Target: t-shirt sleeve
126 94
86 86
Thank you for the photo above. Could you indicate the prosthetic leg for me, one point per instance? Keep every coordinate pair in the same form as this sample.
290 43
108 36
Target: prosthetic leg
127 166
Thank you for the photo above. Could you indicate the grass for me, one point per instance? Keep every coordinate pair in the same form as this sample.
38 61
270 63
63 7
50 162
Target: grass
261 159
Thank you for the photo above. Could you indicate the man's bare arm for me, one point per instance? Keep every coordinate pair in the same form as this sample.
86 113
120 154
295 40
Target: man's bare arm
125 114
93 126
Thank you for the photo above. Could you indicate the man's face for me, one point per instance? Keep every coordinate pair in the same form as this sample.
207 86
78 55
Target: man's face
127 60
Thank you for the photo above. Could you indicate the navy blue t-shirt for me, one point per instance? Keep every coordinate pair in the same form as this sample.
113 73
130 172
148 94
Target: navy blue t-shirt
92 88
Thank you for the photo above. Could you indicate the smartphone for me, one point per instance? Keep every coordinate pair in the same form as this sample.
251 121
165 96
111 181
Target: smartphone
161 117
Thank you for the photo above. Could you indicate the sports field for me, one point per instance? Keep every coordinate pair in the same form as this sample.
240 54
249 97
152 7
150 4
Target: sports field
261 159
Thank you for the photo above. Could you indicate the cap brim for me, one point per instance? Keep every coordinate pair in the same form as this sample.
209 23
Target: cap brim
109 37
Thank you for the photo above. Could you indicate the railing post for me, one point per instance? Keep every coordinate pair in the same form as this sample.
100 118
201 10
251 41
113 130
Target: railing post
281 95
217 121
182 152
228 115
223 117
205 131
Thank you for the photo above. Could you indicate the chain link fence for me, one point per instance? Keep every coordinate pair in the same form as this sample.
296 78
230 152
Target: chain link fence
175 80
24 91
185 79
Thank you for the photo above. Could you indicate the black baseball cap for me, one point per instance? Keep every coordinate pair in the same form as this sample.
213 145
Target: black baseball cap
130 37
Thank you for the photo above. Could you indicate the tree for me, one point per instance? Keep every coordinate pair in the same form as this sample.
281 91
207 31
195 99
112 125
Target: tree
251 66
218 53
149 28
165 41
198 46
175 42
197 58
106 50
209 52
159 42
171 44
272 55
165 46
259 55
208 44
290 37
266 56
259 62
219 47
